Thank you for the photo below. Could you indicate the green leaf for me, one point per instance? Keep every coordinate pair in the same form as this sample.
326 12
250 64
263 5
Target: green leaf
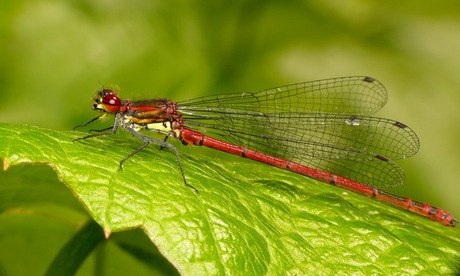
74 252
248 218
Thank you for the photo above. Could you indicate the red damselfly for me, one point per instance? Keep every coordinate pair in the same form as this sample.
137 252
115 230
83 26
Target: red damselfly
320 129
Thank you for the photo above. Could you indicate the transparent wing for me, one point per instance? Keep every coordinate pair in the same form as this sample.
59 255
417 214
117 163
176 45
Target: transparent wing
355 146
347 95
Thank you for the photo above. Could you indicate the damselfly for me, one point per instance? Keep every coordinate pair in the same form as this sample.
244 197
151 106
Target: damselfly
320 129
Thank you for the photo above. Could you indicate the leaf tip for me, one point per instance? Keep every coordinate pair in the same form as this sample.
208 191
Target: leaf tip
6 164
107 233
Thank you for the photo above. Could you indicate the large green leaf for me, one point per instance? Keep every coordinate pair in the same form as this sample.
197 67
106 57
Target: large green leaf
248 218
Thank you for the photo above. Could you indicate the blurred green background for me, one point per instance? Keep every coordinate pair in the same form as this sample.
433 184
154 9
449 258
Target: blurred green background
54 54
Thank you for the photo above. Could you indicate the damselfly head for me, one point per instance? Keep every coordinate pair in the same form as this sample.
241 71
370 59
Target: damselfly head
107 101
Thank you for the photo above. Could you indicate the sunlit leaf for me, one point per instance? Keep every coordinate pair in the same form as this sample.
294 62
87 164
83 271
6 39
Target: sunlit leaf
248 217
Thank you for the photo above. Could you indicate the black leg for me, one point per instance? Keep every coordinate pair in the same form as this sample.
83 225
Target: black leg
162 144
114 129
89 122
100 130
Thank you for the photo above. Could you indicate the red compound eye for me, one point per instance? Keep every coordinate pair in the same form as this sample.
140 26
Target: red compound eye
111 103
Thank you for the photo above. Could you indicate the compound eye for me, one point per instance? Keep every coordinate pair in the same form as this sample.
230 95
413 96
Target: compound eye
111 103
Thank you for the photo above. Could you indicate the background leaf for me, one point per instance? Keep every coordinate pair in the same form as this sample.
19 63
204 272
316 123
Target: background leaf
248 218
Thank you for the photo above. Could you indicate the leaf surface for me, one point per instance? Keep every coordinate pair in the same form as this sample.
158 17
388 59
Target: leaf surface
248 218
